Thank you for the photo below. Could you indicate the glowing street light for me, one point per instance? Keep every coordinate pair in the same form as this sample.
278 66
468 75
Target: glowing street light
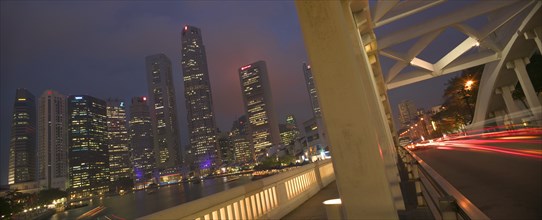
468 85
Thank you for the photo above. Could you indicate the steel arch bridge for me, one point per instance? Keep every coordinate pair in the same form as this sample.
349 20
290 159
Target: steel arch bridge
346 42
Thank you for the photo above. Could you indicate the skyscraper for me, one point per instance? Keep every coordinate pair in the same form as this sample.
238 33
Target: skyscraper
256 89
53 140
312 90
239 135
289 131
87 146
141 142
199 100
22 146
120 167
164 114
407 112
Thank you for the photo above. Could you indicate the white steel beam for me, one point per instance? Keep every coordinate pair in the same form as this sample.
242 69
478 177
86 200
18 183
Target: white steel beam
483 40
409 78
405 9
466 45
395 55
470 61
395 69
443 21
382 7
416 49
422 64
504 15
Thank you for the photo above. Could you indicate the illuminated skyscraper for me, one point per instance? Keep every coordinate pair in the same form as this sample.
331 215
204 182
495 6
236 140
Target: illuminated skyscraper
87 146
22 146
164 114
199 100
120 167
256 89
312 90
53 140
141 142
289 131
239 135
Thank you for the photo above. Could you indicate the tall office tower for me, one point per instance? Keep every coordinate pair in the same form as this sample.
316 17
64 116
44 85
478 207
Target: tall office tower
120 167
256 89
53 140
226 149
239 135
407 112
22 146
289 131
88 157
312 90
141 142
199 100
164 114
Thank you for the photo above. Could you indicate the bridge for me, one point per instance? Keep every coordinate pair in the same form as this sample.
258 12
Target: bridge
475 177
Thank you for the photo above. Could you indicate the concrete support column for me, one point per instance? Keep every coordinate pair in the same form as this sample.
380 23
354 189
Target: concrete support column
506 92
519 67
536 35
350 108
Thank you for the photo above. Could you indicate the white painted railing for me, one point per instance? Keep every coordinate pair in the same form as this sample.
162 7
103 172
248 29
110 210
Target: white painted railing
268 198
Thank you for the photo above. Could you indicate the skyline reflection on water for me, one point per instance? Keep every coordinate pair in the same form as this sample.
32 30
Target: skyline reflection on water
139 203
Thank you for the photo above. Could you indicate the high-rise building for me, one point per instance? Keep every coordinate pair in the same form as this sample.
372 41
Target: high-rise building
316 140
407 112
141 142
22 146
87 147
312 90
258 102
239 135
163 114
53 140
199 101
226 149
120 167
289 131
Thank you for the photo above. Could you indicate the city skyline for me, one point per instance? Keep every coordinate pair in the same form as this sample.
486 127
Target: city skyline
115 45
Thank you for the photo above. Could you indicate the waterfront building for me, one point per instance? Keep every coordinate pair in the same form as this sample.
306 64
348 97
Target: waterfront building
163 114
88 154
53 140
199 101
258 102
22 146
120 167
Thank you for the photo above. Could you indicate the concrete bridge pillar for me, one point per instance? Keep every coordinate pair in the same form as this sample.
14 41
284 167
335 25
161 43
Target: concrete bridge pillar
536 35
350 108
521 72
506 92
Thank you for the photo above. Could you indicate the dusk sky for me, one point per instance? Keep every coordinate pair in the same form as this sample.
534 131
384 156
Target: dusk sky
99 49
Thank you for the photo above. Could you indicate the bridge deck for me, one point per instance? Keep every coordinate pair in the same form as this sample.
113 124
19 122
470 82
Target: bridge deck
314 209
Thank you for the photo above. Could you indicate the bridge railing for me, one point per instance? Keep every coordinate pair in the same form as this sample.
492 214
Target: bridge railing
443 200
268 198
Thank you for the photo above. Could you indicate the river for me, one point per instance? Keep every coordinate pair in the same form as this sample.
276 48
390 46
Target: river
140 203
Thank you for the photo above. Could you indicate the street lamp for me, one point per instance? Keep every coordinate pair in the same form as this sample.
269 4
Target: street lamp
466 94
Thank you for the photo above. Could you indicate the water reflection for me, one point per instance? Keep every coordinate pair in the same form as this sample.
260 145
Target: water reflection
140 203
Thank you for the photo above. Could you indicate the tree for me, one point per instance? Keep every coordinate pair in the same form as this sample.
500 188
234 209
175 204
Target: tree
459 100
48 195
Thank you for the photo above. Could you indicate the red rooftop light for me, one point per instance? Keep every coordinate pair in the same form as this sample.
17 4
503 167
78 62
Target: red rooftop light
144 98
185 28
246 67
